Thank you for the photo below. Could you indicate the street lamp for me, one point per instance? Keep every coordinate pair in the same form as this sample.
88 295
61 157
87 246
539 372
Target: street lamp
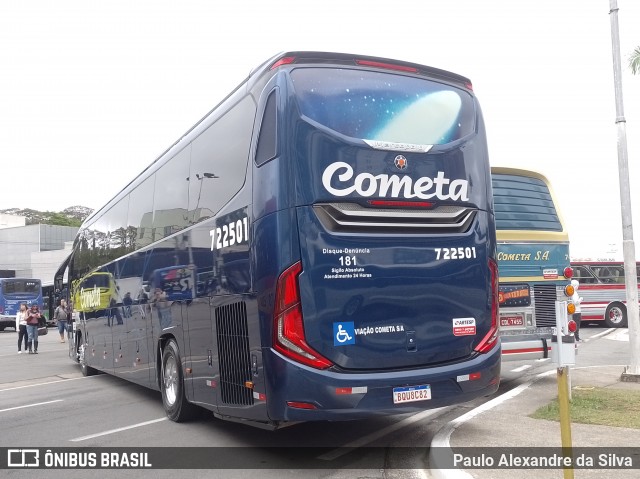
200 178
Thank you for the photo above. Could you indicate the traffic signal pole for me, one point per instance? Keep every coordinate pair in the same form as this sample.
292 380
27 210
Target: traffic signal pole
564 355
565 418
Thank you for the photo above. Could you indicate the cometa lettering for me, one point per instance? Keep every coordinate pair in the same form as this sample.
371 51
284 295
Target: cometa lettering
394 186
514 256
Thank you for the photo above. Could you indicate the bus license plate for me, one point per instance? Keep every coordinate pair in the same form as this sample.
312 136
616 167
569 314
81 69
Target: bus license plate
512 320
411 394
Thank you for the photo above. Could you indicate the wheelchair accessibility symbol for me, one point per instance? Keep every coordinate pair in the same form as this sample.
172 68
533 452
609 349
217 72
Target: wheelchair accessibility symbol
343 334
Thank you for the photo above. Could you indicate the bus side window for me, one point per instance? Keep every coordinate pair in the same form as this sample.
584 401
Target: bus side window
584 276
619 272
606 275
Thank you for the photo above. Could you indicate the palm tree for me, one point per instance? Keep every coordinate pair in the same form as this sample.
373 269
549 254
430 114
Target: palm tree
634 61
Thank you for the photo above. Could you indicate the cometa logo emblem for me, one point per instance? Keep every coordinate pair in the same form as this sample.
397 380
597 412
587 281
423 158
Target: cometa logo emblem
90 297
339 179
401 162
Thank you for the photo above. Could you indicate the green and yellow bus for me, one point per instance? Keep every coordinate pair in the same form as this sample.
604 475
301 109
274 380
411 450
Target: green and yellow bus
533 261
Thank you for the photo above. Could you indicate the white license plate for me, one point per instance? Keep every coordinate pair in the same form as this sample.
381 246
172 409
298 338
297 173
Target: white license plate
512 320
411 394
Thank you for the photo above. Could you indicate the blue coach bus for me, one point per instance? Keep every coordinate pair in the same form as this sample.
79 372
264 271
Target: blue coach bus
320 246
15 291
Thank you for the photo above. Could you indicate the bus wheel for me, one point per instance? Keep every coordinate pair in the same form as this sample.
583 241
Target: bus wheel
616 316
172 386
86 370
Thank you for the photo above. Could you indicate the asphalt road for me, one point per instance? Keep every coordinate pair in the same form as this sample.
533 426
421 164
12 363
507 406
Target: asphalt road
46 402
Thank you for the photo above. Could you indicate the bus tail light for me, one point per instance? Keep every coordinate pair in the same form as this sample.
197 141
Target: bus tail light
569 290
288 335
387 66
491 338
283 61
401 204
301 405
568 272
571 308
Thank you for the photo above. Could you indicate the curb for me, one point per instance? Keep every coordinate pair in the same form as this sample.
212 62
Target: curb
442 437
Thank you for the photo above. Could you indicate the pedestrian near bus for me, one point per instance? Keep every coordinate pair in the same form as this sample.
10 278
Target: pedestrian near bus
33 319
576 299
61 315
21 326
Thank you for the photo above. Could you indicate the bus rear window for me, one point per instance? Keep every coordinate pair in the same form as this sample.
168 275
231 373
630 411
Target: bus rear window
96 280
384 106
20 286
523 203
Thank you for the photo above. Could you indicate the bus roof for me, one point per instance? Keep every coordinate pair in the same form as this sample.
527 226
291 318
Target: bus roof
536 235
293 58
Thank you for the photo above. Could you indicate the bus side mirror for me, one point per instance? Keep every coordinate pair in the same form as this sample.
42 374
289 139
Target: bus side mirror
57 284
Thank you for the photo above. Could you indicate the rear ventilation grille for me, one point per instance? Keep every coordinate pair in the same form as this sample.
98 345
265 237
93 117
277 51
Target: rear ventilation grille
353 218
233 353
544 296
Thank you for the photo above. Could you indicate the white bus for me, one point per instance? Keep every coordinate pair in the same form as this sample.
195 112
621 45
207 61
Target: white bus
603 291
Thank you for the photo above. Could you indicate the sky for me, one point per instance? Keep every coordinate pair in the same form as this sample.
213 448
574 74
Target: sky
91 92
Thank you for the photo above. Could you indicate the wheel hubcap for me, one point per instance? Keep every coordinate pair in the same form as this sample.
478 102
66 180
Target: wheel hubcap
171 380
615 315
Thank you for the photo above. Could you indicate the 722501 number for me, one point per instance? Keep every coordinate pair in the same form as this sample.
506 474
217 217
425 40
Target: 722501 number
455 253
229 234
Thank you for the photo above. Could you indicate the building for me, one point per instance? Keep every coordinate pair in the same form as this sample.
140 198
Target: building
10 221
35 251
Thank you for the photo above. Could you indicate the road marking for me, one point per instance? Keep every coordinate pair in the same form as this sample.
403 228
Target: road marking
120 429
603 333
44 384
521 368
363 441
30 405
619 335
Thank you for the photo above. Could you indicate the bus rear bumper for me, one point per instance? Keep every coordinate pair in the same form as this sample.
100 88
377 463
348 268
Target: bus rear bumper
523 348
308 394
7 321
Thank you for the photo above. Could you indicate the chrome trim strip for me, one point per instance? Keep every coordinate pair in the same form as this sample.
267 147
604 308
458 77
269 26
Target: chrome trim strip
392 146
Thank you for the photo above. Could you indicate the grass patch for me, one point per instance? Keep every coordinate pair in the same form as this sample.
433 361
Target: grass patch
603 406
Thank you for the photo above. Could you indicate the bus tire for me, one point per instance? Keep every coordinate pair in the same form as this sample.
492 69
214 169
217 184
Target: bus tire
175 403
616 316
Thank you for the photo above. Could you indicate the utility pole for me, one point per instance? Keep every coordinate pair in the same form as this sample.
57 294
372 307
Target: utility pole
632 372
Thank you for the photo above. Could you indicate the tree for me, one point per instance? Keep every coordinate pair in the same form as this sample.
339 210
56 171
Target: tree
62 220
634 61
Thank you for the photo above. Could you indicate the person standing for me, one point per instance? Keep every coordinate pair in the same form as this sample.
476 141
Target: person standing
577 299
61 315
33 319
21 326
127 301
